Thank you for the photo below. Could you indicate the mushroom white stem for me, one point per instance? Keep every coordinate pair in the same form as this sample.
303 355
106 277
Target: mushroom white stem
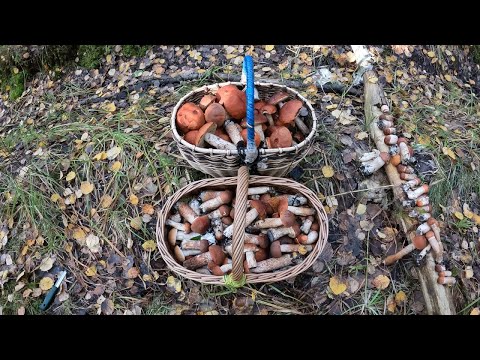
301 126
400 254
218 142
414 194
423 229
422 200
437 252
267 223
179 226
301 211
446 280
258 240
404 153
250 257
424 217
184 236
246 248
305 228
369 155
369 167
259 190
296 200
219 213
308 239
217 226
384 124
181 254
232 131
224 198
249 217
422 253
277 233
203 270
259 131
195 205
269 118
411 184
272 264
200 245
176 218
226 268
288 248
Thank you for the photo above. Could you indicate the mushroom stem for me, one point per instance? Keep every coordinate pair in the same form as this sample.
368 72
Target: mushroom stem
223 198
422 253
218 142
217 226
269 118
232 131
272 264
181 254
179 226
307 224
180 235
199 224
176 218
411 184
397 256
301 211
249 217
423 229
422 200
414 194
201 245
435 246
369 167
276 233
301 126
222 211
258 129
288 248
404 153
260 190
267 223
369 155
214 254
258 240
446 280
308 239
250 257
208 194
195 205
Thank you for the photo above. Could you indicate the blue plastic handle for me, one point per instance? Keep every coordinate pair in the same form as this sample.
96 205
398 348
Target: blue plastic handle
250 93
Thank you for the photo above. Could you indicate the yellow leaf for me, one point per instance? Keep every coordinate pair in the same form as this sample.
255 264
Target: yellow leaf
86 187
468 214
133 199
91 271
449 152
476 218
15 70
148 209
361 208
328 171
269 47
79 234
302 250
423 140
337 286
373 79
47 263
475 311
100 156
136 223
70 176
448 77
117 165
400 297
458 215
106 201
381 282
54 197
431 54
388 77
109 59
174 284
110 107
149 245
30 121
391 304
46 283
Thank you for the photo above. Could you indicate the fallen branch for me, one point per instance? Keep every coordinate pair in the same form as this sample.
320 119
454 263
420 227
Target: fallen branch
437 297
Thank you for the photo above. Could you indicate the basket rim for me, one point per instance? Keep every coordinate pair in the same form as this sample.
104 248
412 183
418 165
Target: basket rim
291 149
177 268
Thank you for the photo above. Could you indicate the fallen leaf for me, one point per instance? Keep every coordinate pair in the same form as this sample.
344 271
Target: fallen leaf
149 245
47 263
107 307
136 223
381 282
361 135
93 243
54 197
337 286
449 152
70 176
100 156
458 215
106 201
113 152
373 79
79 234
46 283
431 54
400 298
174 284
361 209
21 310
133 199
448 77
117 165
328 171
91 271
132 273
148 209
475 311
269 47
110 107
86 187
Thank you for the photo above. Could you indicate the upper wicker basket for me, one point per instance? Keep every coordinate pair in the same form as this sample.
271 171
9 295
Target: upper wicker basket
221 163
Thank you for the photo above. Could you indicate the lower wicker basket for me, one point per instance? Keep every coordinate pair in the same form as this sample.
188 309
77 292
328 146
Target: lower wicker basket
241 183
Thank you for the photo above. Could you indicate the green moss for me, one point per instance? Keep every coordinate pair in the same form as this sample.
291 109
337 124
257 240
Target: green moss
135 50
90 55
475 49
17 86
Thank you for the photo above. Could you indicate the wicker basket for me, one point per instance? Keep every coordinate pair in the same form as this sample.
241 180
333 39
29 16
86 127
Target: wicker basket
242 182
218 163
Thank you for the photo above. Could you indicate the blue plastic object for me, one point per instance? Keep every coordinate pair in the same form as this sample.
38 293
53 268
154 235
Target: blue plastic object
251 151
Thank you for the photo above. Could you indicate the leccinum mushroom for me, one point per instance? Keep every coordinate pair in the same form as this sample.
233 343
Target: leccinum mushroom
272 264
276 249
384 124
206 101
446 280
233 131
201 245
305 228
422 200
234 101
369 155
249 250
174 235
181 254
179 226
422 229
195 205
405 169
260 190
268 110
419 242
216 113
223 198
257 210
411 184
276 233
369 167
176 217
205 134
390 131
217 226
430 235
390 139
190 117
286 219
436 230
308 239
215 254
414 194
289 113
199 224
221 212
259 240
301 211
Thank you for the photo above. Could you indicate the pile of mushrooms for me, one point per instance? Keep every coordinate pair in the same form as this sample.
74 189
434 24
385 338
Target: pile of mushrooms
280 231
401 156
219 120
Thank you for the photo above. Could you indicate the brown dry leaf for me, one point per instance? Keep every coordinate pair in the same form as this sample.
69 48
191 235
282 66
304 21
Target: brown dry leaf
132 273
70 176
47 263
110 107
149 245
100 156
449 152
93 243
86 187
117 165
79 234
475 311
107 307
136 223
148 209
91 271
106 201
400 298
337 285
381 282
133 199
328 171
46 283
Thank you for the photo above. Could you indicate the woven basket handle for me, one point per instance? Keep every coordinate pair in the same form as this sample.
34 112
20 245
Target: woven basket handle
238 237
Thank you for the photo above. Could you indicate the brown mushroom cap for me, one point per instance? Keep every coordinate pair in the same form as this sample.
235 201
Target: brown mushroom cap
296 229
222 134
420 242
259 105
172 237
395 159
281 138
385 156
263 241
270 130
432 221
224 210
402 139
226 196
206 101
214 269
234 101
258 120
201 224
285 240
289 111
258 205
227 220
204 244
268 109
178 253
275 249
278 97
288 218
262 253
315 227
215 113
216 254
190 117
207 128
429 234
257 137
191 136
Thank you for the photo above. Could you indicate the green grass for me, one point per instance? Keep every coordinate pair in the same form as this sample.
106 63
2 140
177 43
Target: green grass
90 55
135 50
